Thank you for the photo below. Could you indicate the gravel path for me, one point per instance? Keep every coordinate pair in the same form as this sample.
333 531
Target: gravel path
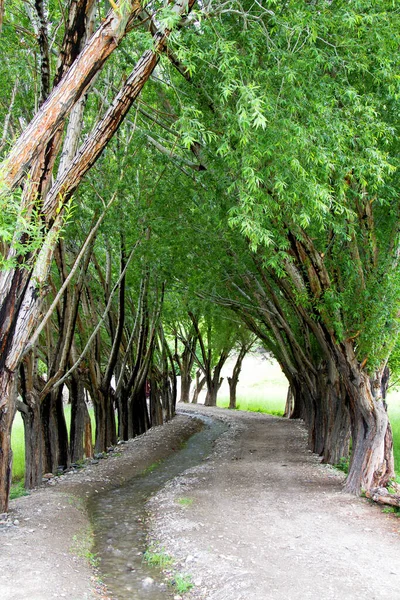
261 519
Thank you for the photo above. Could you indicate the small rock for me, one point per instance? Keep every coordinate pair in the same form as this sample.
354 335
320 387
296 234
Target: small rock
98 456
48 476
16 522
147 582
94 461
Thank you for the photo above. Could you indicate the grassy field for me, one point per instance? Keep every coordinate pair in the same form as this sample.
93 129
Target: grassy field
394 416
262 386
18 446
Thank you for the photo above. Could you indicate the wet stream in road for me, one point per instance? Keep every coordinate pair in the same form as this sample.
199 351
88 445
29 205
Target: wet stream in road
119 520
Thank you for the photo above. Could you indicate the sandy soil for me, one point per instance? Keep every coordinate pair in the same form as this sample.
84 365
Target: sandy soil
261 519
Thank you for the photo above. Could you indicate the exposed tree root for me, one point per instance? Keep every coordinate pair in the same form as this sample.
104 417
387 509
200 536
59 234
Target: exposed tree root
382 495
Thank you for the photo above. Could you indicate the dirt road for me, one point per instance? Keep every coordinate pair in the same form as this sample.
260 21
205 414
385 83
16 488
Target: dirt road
261 519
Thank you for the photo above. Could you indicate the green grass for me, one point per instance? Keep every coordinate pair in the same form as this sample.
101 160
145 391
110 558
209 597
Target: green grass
17 491
393 401
151 467
182 583
262 388
271 405
83 544
18 447
157 557
185 501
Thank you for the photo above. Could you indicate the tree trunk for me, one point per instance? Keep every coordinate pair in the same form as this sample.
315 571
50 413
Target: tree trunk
105 422
212 392
7 412
289 406
232 381
156 405
88 434
30 412
139 418
336 417
372 463
186 382
54 432
214 382
33 444
78 421
198 387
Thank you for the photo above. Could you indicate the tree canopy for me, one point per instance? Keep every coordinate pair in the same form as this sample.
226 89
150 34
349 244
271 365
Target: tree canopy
248 152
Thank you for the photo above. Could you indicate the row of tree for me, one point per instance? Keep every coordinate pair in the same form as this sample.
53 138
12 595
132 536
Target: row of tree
252 183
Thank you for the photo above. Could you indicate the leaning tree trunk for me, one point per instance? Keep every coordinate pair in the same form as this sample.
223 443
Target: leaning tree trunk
20 290
289 406
198 387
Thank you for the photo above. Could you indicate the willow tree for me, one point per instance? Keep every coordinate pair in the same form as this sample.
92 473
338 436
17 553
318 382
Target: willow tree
48 184
302 102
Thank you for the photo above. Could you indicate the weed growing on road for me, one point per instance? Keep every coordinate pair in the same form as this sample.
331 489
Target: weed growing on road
157 557
82 546
185 501
151 467
182 583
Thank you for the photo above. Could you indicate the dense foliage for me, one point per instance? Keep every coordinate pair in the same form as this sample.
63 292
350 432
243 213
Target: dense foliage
253 188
